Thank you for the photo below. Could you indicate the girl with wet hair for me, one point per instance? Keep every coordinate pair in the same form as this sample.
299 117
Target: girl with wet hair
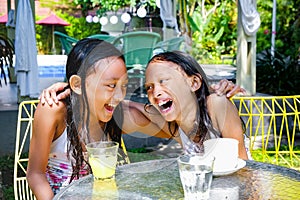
177 88
97 77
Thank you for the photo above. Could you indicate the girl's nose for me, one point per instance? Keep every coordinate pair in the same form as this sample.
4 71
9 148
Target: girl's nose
157 92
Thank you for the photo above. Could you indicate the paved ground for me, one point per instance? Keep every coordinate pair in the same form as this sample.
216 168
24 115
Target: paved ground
8 118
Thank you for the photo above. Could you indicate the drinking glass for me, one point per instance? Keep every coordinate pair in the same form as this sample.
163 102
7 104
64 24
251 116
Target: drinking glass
196 172
103 158
105 189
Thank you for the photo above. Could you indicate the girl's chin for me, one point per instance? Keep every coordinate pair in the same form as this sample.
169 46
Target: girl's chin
106 118
168 116
168 112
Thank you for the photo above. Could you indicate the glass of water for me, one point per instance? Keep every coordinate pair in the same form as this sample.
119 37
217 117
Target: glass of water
196 172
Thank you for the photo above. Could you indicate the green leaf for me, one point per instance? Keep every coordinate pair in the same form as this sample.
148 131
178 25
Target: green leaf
194 26
219 34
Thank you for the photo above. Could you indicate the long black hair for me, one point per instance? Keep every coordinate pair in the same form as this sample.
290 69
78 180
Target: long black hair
191 67
81 61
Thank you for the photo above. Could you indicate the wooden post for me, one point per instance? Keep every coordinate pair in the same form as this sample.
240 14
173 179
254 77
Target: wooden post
246 57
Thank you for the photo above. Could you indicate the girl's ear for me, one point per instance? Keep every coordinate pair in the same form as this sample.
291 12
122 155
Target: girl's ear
196 82
75 84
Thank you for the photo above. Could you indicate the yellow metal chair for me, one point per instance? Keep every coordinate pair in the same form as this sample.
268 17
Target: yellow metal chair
23 135
123 156
272 124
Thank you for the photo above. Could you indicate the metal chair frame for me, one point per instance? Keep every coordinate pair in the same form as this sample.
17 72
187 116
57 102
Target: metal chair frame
26 111
66 41
23 135
170 44
275 121
137 48
107 38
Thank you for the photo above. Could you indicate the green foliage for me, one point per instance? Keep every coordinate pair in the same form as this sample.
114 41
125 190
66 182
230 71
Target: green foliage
78 28
108 5
104 6
142 154
277 75
3 29
214 34
7 166
139 150
271 157
8 193
6 162
287 26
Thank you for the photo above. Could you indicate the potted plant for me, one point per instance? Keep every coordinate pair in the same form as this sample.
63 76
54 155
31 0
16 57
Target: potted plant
6 59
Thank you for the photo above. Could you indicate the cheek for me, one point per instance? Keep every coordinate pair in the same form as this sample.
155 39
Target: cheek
150 95
95 94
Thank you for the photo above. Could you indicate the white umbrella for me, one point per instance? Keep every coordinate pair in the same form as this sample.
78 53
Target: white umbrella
26 51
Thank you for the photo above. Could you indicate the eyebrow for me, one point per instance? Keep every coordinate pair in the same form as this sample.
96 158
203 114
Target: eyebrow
115 79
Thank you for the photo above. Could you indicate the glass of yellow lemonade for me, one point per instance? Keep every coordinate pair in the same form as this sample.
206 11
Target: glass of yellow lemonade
103 158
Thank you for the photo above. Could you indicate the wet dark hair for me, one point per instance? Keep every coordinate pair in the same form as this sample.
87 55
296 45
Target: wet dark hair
81 61
191 67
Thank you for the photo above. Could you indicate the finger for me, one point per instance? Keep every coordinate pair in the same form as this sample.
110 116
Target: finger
53 96
243 91
214 86
229 85
61 96
47 97
41 98
223 87
236 89
64 94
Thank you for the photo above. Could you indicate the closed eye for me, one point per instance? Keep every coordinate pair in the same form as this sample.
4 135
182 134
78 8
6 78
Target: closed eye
112 85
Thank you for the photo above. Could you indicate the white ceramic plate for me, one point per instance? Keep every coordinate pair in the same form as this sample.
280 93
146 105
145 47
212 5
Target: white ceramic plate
240 165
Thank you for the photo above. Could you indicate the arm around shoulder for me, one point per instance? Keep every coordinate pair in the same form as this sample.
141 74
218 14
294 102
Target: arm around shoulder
137 119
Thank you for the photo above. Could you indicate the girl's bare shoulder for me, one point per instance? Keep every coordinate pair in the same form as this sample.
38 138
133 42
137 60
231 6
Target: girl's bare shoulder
215 100
59 109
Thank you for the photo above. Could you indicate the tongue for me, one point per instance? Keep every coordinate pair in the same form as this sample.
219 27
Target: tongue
110 108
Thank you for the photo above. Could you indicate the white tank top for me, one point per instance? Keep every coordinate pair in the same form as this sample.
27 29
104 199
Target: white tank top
188 145
59 169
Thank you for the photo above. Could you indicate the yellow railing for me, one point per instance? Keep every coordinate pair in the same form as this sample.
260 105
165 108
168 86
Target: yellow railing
273 126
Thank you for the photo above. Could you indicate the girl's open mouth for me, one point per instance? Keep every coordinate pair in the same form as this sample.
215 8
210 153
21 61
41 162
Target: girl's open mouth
109 107
165 106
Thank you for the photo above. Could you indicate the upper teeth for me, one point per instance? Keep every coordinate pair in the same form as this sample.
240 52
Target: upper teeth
162 103
111 105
